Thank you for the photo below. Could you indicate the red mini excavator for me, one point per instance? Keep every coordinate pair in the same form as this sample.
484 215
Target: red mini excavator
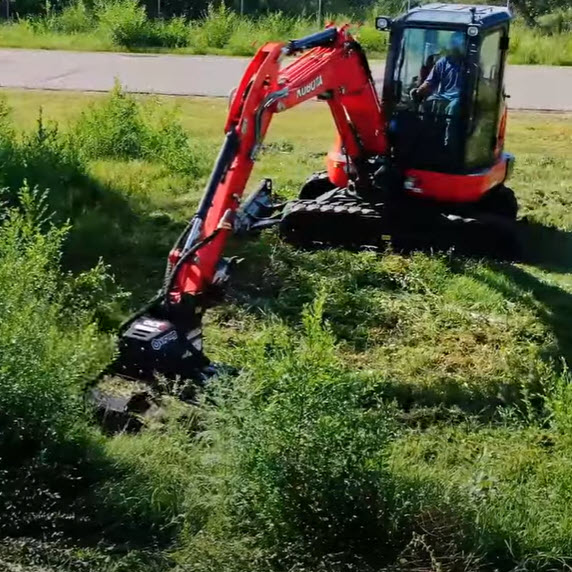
423 165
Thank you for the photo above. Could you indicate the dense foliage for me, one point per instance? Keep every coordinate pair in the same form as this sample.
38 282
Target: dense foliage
540 35
529 9
196 8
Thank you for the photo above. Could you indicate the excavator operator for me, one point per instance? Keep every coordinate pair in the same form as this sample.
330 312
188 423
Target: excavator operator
443 84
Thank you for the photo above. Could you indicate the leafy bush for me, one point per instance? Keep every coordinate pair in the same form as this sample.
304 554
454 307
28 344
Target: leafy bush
44 157
119 127
125 21
112 128
371 39
557 22
73 19
49 344
302 445
216 29
173 33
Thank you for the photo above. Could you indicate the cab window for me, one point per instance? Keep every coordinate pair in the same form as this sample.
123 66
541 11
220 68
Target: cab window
428 83
482 125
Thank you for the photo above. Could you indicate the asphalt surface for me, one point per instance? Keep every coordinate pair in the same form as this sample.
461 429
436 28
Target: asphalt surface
546 88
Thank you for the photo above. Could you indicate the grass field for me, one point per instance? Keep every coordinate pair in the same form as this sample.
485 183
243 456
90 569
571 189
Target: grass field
426 426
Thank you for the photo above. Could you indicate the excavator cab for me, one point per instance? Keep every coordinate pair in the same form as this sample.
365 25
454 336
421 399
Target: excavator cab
458 54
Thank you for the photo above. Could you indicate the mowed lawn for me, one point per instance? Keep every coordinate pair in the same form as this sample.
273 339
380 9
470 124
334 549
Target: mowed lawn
473 354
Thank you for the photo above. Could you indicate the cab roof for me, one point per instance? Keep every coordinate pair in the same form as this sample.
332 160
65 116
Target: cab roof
456 14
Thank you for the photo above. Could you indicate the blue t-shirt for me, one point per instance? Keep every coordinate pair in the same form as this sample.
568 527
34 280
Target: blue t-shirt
445 77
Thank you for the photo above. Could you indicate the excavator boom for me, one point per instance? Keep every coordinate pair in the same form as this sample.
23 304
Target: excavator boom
335 70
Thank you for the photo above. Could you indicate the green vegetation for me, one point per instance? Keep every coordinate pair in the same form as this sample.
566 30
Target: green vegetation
412 414
124 25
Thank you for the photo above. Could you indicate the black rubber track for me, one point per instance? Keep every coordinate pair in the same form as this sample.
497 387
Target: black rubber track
357 225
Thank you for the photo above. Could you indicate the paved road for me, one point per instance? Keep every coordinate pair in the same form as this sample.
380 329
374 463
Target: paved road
531 87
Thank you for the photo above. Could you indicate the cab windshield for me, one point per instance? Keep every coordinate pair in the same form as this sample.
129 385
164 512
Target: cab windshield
427 79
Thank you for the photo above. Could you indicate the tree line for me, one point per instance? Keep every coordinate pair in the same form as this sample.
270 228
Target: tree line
530 10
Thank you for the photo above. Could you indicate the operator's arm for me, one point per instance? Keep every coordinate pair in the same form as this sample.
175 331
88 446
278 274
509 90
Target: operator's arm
432 81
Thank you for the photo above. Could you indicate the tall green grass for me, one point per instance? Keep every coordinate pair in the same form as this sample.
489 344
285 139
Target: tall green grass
301 446
50 345
123 24
121 128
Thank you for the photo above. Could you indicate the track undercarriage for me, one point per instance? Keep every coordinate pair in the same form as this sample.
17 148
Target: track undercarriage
343 219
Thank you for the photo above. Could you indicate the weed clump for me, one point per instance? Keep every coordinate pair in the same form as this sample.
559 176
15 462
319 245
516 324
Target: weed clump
73 19
217 27
125 21
120 127
44 157
49 342
51 348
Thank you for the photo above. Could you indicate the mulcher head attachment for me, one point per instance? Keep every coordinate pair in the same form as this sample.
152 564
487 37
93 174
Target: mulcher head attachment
158 352
151 347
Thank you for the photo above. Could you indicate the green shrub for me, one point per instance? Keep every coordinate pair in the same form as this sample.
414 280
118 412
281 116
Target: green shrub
44 157
531 46
557 22
301 443
387 8
73 19
125 21
372 40
112 128
245 39
49 344
120 127
217 27
173 33
250 34
277 25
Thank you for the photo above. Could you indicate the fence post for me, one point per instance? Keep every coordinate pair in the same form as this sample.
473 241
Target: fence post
319 13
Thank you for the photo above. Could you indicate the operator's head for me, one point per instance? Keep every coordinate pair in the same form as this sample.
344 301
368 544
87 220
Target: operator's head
457 44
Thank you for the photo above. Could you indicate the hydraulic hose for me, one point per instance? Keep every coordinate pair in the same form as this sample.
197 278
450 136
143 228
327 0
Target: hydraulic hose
170 281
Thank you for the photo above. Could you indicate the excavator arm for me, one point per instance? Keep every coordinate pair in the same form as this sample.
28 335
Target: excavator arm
165 336
334 70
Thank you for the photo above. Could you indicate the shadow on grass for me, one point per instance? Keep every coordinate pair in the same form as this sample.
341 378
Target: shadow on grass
63 497
548 249
134 244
